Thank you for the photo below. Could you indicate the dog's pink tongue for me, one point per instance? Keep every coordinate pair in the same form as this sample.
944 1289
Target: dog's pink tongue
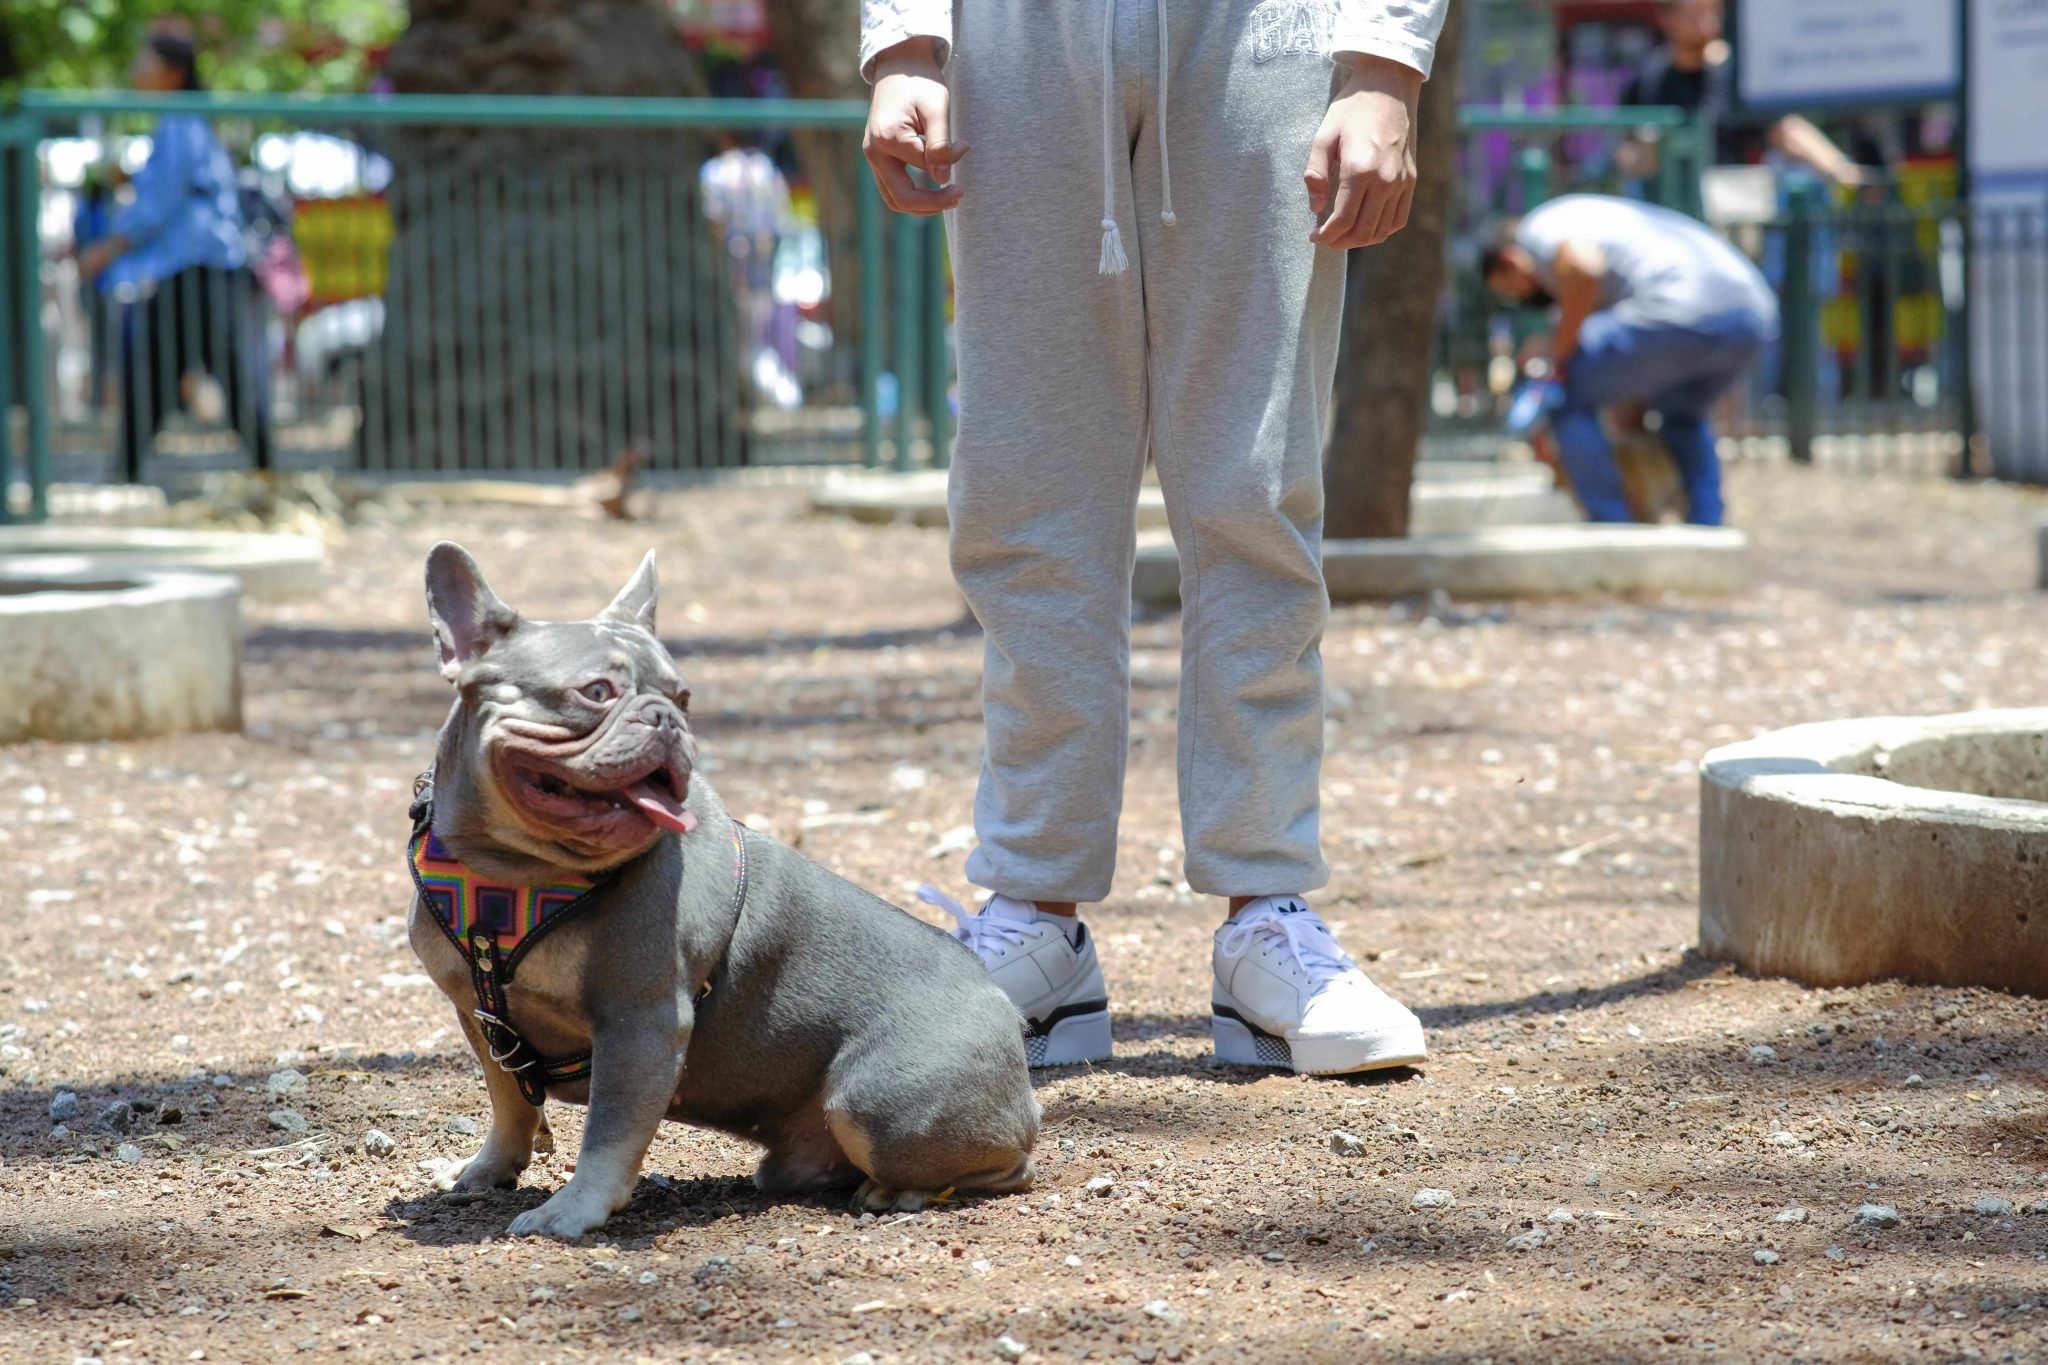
661 806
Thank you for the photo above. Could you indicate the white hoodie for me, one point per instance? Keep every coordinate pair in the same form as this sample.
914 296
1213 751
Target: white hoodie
1404 31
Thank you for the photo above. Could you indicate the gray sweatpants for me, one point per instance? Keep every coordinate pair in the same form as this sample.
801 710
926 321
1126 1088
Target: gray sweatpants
1213 356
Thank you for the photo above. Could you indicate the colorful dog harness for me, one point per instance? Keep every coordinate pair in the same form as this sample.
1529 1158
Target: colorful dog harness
494 925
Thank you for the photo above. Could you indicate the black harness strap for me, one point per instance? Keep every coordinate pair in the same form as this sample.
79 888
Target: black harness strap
491 969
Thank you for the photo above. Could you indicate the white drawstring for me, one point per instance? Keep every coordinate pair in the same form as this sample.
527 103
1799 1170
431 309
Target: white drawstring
1114 261
1165 161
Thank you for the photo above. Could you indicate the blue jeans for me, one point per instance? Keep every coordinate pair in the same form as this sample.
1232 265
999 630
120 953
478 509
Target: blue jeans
1678 373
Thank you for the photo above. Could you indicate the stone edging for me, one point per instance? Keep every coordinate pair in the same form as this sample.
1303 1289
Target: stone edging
1814 867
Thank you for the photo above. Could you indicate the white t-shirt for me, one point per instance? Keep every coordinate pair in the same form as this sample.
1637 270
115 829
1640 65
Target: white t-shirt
1663 268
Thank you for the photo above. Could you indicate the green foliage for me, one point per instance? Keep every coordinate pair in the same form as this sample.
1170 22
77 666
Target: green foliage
244 45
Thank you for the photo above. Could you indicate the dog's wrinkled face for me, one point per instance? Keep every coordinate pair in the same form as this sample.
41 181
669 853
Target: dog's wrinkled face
582 750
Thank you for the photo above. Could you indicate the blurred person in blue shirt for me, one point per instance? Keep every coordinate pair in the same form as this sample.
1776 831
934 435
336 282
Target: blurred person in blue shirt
174 263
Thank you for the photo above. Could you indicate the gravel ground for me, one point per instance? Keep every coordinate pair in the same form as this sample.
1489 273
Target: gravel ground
1619 1151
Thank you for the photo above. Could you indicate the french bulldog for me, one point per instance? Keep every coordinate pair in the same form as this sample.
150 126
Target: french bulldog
708 974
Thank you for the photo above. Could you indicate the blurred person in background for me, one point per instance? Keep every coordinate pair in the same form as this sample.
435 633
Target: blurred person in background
1655 313
1693 71
174 262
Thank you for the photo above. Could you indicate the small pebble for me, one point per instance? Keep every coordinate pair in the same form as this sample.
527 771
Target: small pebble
1915 1081
1836 1254
859 1358
117 1117
377 1142
1994 1207
1162 1311
463 1125
128 1152
63 1107
1765 1256
1528 1241
287 1120
629 1315
1347 1144
1877 1216
1433 1199
1763 1052
60 1132
1787 1140
1592 1180
1100 1184
2038 1206
1560 1216
703 1308
1792 1215
1071 1261
1009 1348
289 1081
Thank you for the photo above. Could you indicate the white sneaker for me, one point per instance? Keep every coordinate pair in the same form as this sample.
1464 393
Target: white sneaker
1054 983
1286 995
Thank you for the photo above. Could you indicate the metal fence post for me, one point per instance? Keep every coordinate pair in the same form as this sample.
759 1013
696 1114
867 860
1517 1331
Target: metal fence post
908 322
25 195
10 322
1801 328
1533 164
938 356
870 219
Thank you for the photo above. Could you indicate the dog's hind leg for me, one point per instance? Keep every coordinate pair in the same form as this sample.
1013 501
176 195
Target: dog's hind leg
804 1158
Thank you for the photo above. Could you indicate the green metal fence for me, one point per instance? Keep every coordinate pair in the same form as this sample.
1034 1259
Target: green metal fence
492 283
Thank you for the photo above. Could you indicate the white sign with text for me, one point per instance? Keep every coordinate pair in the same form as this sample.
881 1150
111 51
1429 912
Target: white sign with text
1799 52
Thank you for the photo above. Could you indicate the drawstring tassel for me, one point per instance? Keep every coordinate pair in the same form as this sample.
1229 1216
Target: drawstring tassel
1166 217
1114 262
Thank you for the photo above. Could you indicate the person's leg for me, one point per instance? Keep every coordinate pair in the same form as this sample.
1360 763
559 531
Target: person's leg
1688 433
148 375
1244 314
237 358
1599 375
1051 449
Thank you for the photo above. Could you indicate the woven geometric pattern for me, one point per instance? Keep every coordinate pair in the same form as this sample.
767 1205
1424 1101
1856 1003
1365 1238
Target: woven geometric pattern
462 899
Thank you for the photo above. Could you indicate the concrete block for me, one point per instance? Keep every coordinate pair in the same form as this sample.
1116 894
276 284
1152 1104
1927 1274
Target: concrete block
273 568
1866 850
1497 495
1507 561
94 657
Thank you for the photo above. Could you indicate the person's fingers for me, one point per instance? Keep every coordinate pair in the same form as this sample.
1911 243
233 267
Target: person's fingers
1348 201
1376 222
899 192
1321 174
1402 208
940 152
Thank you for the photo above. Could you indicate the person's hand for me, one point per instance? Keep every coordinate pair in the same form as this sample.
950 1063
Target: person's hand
97 257
1361 169
909 124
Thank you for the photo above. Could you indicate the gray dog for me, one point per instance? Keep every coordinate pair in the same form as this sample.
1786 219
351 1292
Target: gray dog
611 936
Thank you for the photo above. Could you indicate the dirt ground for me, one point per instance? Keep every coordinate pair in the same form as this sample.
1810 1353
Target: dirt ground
209 930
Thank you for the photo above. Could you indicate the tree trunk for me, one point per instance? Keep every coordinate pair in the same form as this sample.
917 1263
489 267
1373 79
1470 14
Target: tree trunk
554 294
1391 316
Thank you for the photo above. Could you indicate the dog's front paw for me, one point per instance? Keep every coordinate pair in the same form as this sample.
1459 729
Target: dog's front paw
570 1213
492 1170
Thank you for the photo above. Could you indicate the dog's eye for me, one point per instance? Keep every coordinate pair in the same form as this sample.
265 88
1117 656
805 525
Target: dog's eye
682 696
599 692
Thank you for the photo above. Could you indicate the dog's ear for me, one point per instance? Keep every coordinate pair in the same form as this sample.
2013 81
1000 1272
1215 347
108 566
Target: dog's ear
468 617
635 603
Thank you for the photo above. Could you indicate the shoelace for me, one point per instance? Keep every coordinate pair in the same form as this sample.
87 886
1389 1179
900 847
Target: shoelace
1306 936
975 930
1114 261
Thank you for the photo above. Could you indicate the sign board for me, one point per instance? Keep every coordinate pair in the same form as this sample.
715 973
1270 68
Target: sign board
1800 53
2008 90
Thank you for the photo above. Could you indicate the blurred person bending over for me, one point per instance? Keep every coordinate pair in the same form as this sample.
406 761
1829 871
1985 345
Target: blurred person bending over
1655 312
